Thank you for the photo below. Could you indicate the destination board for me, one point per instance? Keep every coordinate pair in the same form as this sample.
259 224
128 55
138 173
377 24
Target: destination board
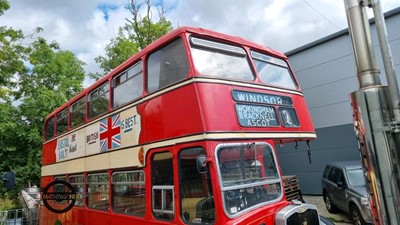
256 115
253 97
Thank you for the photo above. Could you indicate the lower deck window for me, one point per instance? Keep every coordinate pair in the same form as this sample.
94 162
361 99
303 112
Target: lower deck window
129 194
98 188
78 183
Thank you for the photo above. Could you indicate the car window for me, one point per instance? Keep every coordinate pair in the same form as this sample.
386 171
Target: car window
325 175
356 177
336 175
341 177
333 174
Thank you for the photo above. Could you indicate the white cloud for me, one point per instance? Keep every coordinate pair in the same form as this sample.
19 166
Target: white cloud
82 28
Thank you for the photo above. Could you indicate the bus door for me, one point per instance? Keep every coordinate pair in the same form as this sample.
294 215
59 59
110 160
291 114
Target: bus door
162 186
196 194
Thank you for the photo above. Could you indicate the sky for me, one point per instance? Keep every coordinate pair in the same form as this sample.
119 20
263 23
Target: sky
86 27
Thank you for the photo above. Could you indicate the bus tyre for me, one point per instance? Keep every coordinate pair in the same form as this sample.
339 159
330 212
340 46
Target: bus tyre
329 205
356 216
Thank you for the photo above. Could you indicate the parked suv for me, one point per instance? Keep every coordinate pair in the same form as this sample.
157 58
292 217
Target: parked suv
343 187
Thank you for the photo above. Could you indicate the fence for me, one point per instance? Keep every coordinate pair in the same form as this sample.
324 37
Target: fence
20 217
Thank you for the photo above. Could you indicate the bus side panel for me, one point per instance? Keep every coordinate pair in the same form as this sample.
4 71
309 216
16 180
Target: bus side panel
78 215
49 218
181 116
97 217
120 219
48 153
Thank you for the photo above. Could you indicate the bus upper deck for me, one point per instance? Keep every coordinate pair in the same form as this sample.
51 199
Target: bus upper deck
197 82
184 132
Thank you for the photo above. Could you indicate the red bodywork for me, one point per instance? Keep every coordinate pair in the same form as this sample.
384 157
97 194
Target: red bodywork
198 107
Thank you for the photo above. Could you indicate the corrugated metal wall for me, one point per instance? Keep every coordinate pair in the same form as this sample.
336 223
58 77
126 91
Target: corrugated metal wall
326 72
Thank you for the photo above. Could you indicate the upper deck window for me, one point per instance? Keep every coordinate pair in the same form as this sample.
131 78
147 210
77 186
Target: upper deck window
49 128
273 71
220 60
62 121
78 112
98 101
167 66
128 86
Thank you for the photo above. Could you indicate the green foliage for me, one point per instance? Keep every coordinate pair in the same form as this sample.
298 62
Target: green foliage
35 78
56 77
8 204
134 36
117 51
4 5
11 59
144 32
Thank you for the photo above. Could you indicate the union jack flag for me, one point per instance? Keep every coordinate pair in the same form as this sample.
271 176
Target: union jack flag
110 136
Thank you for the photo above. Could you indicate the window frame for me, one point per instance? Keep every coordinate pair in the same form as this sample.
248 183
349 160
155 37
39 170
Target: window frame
92 98
64 117
274 61
128 77
78 193
72 112
277 180
186 62
46 133
163 188
88 183
60 178
225 49
326 172
333 175
139 182
194 195
291 114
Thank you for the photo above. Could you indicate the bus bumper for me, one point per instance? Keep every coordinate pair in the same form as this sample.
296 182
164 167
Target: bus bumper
299 213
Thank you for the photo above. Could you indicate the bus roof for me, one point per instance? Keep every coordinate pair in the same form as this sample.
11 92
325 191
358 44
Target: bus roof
159 42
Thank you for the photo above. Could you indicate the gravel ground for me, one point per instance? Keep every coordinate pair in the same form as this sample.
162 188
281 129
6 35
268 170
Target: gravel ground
337 218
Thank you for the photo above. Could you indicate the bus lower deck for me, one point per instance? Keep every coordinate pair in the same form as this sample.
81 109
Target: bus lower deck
183 132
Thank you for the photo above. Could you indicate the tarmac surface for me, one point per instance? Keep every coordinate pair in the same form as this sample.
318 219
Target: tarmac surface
337 218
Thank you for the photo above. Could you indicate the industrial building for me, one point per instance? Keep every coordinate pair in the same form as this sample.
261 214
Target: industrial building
326 72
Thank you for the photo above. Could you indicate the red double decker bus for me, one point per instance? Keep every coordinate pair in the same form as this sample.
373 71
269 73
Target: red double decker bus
183 132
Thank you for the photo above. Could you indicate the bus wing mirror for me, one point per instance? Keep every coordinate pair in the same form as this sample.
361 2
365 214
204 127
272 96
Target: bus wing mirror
9 180
201 163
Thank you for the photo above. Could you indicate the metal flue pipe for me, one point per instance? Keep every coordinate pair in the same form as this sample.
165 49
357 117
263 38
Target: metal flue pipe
386 56
375 120
367 71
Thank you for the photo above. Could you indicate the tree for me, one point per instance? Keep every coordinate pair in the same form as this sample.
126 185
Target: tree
56 77
135 35
35 78
4 5
11 55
